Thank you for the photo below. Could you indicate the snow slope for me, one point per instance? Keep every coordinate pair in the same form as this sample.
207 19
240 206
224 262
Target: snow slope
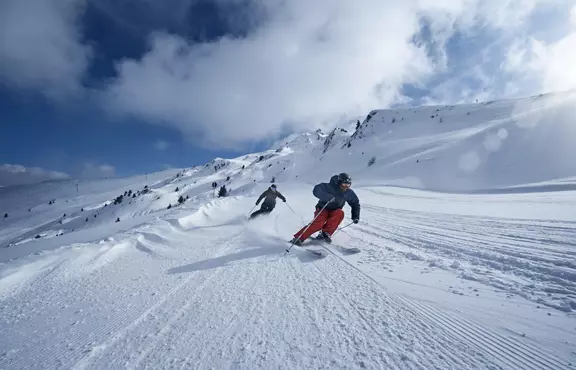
481 277
474 147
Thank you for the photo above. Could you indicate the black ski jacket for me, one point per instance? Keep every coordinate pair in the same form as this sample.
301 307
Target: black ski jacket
270 196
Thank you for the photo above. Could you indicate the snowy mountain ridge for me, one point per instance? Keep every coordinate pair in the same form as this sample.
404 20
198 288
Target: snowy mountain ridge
470 147
467 253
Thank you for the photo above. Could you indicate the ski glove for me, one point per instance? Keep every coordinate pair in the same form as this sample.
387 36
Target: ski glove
355 220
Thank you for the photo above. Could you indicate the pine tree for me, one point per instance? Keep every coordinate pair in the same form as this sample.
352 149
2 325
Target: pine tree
222 192
118 199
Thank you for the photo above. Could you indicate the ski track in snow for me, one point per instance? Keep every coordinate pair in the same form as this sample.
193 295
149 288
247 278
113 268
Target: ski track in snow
231 300
532 259
196 286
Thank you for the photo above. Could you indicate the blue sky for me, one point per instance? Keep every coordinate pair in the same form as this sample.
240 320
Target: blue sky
93 88
35 132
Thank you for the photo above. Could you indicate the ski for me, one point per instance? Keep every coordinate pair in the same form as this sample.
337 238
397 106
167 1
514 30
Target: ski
347 250
316 252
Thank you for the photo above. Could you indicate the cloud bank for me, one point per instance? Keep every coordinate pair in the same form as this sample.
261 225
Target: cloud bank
41 48
14 174
306 64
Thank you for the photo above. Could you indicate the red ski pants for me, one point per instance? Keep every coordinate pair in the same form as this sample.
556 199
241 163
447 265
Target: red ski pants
327 221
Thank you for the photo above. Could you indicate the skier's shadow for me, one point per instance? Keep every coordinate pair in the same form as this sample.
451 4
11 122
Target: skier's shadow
226 260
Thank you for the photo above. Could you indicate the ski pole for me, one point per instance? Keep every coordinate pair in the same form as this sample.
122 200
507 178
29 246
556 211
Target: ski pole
295 214
343 227
290 207
252 210
303 231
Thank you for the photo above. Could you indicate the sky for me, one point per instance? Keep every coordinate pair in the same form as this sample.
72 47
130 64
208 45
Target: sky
100 88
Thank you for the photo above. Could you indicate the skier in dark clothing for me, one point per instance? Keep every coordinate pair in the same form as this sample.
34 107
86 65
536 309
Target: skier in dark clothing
269 196
332 197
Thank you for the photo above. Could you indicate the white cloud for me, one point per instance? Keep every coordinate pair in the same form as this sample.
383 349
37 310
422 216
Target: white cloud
92 171
557 61
161 145
40 46
14 174
307 64
546 64
511 60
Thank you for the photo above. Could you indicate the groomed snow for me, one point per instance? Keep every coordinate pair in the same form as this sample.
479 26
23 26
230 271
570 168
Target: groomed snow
459 269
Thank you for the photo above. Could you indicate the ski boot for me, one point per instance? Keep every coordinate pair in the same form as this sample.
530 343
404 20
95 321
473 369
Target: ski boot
297 242
323 235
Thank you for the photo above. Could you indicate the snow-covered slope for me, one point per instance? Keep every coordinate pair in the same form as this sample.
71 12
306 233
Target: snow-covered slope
454 148
118 273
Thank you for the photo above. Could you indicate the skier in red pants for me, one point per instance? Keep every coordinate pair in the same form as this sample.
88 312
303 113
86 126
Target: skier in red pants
329 214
